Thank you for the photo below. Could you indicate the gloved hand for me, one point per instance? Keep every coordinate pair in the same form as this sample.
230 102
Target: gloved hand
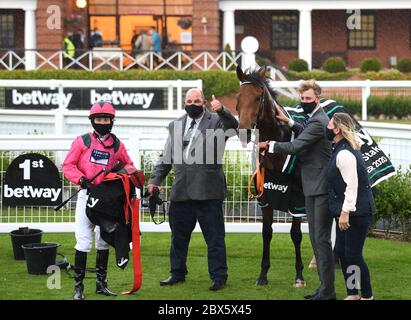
84 182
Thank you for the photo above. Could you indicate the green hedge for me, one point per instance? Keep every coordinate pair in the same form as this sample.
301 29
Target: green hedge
393 202
390 105
219 83
298 65
390 74
321 75
334 65
370 64
404 65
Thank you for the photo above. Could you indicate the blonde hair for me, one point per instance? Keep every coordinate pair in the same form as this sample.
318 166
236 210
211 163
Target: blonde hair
310 84
345 123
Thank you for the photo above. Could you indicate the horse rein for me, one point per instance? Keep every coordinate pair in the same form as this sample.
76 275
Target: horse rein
261 101
258 174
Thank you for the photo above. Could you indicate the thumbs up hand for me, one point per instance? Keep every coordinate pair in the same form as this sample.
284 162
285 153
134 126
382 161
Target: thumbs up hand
216 105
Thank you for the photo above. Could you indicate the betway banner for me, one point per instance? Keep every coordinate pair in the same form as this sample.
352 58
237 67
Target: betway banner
83 98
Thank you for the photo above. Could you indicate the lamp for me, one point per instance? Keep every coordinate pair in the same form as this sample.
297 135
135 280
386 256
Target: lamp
204 23
81 4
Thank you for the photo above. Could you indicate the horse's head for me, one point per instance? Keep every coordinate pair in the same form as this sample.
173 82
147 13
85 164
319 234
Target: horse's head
253 99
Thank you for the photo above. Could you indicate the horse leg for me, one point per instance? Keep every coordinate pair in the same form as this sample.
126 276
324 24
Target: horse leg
267 236
297 236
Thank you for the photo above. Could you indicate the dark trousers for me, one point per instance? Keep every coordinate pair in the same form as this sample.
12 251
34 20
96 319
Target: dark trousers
320 225
183 217
349 246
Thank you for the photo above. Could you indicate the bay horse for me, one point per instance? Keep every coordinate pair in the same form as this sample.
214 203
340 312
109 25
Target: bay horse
256 109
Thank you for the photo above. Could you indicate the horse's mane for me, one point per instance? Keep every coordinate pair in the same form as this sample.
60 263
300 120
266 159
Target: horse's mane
253 76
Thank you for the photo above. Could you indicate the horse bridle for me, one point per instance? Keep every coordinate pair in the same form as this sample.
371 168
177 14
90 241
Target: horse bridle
262 101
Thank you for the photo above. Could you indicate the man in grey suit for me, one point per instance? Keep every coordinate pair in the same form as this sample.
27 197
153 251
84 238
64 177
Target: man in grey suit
195 147
313 149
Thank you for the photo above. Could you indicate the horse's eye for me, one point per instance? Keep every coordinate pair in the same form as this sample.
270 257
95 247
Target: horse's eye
258 98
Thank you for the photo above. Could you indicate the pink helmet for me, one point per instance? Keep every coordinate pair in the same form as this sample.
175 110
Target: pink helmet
102 108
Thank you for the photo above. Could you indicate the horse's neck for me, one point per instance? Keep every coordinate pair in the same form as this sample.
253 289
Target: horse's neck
270 127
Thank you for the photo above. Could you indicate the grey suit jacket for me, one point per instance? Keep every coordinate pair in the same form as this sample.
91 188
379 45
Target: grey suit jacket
204 179
313 150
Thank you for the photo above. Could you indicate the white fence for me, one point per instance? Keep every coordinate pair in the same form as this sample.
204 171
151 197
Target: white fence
365 86
241 214
118 59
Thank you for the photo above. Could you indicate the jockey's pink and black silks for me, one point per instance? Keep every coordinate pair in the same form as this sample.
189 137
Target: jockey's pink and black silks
83 161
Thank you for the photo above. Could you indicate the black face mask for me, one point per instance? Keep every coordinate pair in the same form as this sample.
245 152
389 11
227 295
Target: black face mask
193 110
330 134
102 129
308 107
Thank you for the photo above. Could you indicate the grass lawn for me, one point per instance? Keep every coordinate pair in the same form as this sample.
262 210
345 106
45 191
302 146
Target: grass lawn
388 262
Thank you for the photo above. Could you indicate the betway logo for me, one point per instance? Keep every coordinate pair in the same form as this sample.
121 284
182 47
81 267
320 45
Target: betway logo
36 97
123 98
272 186
30 192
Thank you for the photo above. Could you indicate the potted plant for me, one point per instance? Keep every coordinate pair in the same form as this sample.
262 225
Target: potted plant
185 22
73 18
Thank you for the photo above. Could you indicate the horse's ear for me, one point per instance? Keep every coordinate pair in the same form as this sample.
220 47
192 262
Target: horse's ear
263 72
240 73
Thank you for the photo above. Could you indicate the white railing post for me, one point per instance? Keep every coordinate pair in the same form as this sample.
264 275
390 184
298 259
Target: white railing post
90 61
179 63
366 90
205 61
61 64
179 95
59 112
10 61
170 97
121 60
59 122
133 146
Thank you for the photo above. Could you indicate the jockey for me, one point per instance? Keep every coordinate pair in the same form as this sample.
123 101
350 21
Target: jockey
89 154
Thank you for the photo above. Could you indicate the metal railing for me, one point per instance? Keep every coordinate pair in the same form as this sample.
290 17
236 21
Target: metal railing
241 214
118 59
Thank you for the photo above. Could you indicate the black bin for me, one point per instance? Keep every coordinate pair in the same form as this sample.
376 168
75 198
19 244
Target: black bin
39 256
24 236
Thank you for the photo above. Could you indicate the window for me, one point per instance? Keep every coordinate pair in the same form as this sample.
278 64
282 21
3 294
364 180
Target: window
363 38
284 32
7 31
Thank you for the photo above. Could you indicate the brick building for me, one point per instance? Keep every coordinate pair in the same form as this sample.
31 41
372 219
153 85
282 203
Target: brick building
312 30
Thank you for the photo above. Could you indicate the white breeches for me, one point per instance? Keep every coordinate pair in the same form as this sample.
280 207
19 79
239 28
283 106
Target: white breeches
84 229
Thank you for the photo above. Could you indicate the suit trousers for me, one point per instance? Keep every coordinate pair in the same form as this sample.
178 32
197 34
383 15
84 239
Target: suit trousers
320 224
183 216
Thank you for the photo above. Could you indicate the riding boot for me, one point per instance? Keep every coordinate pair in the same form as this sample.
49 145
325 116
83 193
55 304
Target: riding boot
101 271
80 262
